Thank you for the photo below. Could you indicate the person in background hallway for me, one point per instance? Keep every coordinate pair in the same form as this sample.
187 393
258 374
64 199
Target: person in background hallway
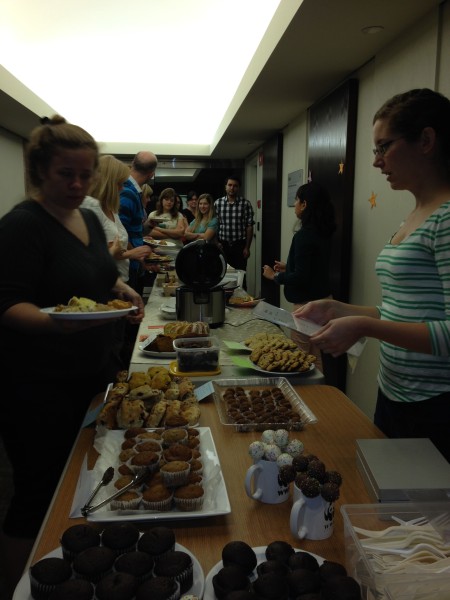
169 223
131 211
204 226
45 398
306 274
104 201
411 133
236 219
191 206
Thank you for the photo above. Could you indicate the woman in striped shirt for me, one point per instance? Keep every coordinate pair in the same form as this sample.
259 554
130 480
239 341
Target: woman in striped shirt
412 149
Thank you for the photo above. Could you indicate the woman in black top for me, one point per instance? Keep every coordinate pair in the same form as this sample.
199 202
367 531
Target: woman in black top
305 276
51 368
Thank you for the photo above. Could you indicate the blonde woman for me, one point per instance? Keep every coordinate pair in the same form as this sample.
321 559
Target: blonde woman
204 226
104 200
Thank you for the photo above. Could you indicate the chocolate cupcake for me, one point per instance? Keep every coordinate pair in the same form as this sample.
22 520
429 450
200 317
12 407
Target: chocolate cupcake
157 542
330 569
229 579
241 554
46 574
272 566
93 563
137 563
159 588
271 586
73 589
178 565
77 538
120 537
116 586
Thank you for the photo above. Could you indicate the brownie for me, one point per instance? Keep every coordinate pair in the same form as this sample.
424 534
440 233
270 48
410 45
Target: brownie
116 586
120 537
241 554
77 538
46 574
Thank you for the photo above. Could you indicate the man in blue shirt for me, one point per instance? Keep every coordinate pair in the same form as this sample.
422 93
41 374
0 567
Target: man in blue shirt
132 212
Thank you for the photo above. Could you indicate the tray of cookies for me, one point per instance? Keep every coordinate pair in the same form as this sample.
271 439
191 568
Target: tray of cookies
260 403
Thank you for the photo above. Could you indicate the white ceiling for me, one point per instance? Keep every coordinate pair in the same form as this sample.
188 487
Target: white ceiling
128 72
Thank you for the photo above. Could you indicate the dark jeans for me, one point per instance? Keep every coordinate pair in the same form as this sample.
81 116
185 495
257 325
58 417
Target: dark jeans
426 419
234 254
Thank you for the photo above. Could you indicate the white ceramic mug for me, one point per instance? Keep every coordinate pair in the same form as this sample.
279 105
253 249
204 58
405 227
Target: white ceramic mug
262 483
311 518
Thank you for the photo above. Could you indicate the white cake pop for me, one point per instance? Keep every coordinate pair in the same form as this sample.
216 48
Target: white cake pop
294 448
284 459
281 437
272 452
267 436
256 450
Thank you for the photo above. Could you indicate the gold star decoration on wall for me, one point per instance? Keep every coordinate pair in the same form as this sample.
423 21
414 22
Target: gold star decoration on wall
341 168
372 200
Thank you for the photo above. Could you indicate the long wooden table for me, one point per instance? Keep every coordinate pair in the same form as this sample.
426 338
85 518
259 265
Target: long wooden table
332 439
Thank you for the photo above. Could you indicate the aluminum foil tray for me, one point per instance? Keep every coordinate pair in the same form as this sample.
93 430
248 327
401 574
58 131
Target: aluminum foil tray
260 403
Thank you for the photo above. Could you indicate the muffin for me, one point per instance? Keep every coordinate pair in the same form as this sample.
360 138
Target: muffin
194 478
189 497
174 436
159 588
271 586
177 565
175 472
137 563
116 586
157 542
157 497
196 466
126 455
129 500
272 566
120 537
177 452
122 481
77 538
46 574
229 579
133 432
93 563
241 554
176 421
148 445
330 569
148 435
73 589
143 461
303 560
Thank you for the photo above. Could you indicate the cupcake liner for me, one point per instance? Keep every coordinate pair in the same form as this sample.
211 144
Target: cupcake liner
118 504
188 504
175 478
158 505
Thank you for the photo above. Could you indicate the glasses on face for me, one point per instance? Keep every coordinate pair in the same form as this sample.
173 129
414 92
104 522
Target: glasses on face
381 149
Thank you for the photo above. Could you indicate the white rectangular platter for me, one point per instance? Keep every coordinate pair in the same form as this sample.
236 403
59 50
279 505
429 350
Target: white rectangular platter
216 501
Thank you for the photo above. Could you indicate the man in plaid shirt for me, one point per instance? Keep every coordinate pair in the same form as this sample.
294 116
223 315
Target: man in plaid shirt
236 220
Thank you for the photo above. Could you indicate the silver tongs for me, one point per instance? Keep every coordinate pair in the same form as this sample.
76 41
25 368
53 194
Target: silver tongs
138 478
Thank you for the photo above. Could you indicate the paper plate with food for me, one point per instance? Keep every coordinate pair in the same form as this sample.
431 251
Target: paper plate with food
240 300
78 309
157 258
152 242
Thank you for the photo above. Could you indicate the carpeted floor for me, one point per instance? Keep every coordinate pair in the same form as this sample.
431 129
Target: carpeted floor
5 495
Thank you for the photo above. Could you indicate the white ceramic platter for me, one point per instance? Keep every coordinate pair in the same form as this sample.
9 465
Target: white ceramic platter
260 552
88 316
216 500
23 592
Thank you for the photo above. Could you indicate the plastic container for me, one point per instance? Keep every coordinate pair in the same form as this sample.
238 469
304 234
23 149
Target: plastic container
197 354
376 584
